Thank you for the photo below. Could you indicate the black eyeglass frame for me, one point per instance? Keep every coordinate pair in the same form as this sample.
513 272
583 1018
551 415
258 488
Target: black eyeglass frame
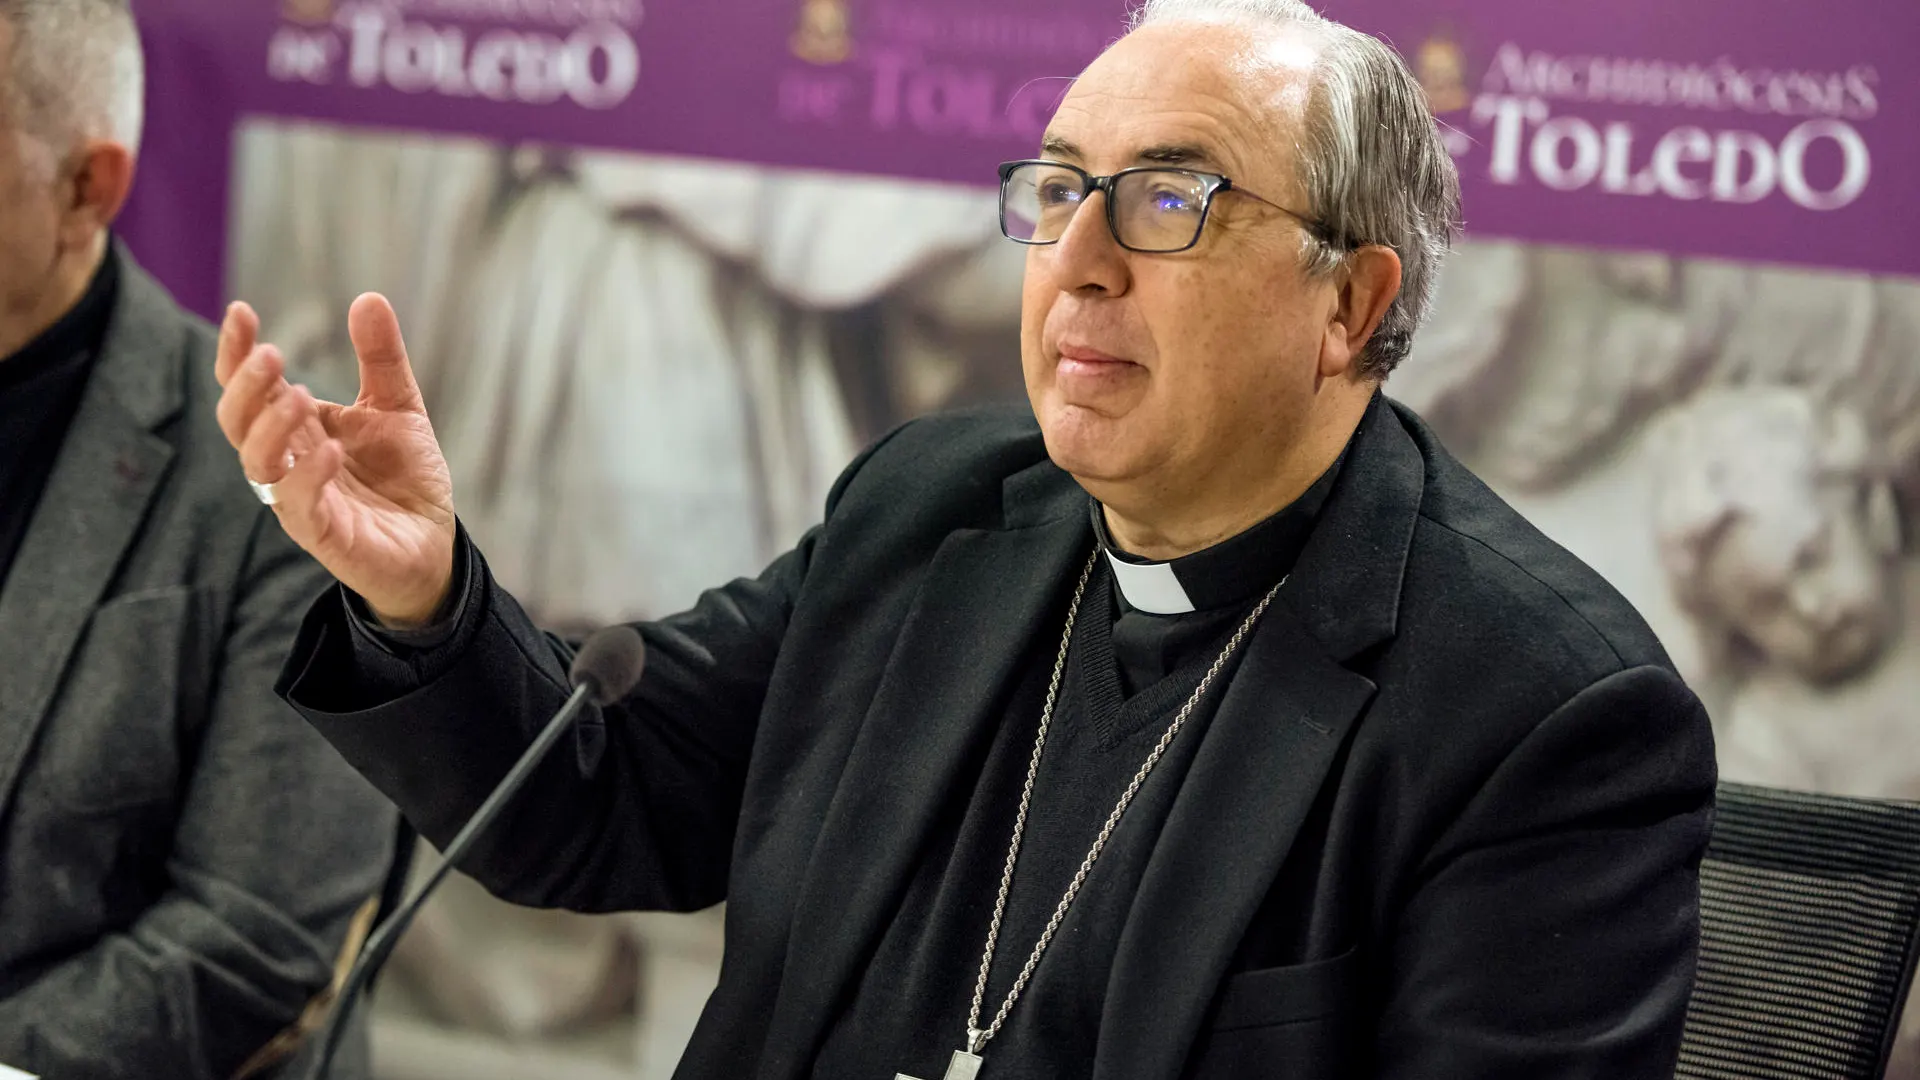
1212 184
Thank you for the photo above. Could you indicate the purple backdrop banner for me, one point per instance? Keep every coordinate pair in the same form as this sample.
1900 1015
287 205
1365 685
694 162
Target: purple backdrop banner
1768 130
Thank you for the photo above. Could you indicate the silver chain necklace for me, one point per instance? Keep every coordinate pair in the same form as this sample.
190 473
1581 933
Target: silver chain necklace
966 1063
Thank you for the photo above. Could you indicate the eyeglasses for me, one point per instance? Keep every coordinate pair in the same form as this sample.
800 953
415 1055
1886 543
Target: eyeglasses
1151 210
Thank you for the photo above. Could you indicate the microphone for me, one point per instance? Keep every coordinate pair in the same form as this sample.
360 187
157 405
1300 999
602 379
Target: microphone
605 670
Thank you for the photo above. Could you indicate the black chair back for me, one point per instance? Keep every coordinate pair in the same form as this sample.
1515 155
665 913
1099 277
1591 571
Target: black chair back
1810 913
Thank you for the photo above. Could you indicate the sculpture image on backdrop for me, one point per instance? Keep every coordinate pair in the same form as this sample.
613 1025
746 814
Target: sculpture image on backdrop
1508 317
1299 846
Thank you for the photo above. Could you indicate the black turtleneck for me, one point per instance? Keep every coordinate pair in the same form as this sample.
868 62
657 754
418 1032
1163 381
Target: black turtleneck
40 388
1127 673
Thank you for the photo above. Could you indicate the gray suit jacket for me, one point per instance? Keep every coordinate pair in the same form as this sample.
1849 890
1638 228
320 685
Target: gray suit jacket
180 855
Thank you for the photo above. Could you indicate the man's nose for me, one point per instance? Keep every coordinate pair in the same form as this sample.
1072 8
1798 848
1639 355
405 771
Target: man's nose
1087 257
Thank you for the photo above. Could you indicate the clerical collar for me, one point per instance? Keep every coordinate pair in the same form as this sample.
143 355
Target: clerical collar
77 333
1234 571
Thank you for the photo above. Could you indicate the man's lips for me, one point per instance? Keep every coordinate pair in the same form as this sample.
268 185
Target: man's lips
1088 374
1080 354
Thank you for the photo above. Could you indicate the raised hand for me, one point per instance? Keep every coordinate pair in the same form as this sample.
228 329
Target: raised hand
362 487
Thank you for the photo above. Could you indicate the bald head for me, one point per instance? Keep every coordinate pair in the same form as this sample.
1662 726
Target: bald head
71 71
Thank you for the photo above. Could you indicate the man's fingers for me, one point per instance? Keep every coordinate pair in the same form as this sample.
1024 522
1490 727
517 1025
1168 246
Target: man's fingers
239 332
315 429
301 495
253 386
269 441
386 378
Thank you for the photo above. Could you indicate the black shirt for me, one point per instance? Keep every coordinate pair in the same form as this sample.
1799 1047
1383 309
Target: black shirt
1127 674
40 389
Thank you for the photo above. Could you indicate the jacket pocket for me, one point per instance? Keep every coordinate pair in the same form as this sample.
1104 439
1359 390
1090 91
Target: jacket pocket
112 741
1284 1021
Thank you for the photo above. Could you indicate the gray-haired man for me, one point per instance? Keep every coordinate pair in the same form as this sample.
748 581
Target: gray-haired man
181 858
1218 725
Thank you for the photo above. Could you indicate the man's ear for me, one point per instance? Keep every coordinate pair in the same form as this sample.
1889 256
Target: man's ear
94 186
1367 285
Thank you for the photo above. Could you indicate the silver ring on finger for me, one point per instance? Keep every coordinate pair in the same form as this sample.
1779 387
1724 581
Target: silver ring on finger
266 493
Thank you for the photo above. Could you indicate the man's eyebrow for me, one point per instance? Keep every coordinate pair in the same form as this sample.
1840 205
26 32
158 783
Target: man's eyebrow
1176 154
1170 154
1053 146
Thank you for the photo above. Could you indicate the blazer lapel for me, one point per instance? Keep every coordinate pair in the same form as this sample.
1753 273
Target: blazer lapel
1282 721
1276 735
108 469
988 600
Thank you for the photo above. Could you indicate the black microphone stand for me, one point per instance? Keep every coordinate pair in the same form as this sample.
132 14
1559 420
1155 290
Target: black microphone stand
383 940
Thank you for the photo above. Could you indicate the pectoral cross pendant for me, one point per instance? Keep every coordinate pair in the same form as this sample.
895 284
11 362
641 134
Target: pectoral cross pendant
964 1066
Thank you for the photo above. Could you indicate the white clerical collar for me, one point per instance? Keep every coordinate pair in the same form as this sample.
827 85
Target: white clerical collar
1222 575
1150 587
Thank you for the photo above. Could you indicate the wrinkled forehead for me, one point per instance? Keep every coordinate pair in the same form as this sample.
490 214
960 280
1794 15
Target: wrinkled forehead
1217 96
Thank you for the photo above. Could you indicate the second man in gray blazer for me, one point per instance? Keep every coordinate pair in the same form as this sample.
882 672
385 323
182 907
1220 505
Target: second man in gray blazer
183 861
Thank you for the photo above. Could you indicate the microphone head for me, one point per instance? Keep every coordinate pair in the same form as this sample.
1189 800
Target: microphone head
610 664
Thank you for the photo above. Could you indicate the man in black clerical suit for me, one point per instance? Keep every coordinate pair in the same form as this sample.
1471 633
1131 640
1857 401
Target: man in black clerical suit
1218 724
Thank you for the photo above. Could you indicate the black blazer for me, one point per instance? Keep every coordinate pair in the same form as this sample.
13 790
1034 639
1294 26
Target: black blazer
1446 822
